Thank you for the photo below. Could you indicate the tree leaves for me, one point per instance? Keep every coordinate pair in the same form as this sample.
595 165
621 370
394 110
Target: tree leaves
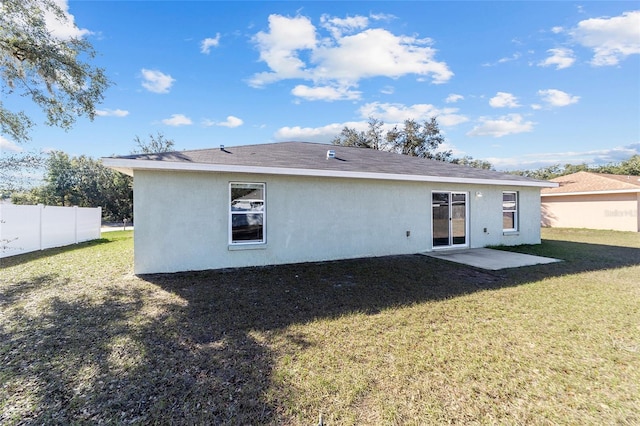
414 139
84 182
155 144
47 68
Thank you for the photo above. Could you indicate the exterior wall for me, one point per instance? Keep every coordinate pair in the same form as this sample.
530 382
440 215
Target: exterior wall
182 219
486 213
596 211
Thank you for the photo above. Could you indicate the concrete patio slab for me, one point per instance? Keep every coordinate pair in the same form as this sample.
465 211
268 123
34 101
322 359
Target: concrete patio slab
490 259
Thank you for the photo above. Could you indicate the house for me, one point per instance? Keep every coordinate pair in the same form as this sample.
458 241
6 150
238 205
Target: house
293 202
593 200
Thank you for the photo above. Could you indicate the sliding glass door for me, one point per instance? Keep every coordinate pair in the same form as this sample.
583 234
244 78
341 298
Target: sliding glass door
449 219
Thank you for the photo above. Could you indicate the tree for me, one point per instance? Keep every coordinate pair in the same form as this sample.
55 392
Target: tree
84 182
60 188
372 138
472 162
419 140
414 139
629 167
46 67
155 144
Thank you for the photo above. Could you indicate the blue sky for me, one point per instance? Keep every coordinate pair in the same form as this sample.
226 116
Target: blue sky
520 84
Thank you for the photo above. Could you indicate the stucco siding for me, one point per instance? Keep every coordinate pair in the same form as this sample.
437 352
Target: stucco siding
596 211
487 214
182 219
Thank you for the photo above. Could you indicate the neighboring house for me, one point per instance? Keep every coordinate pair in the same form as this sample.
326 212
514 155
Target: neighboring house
296 202
593 200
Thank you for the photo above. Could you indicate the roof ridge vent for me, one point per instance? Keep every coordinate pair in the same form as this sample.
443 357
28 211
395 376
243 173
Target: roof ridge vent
331 154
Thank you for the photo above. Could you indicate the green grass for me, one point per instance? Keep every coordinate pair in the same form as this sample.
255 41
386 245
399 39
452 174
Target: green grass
392 340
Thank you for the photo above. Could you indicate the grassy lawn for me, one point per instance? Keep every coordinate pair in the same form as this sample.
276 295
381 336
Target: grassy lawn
393 340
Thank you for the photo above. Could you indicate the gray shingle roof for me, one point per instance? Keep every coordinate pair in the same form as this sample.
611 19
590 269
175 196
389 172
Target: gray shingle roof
313 156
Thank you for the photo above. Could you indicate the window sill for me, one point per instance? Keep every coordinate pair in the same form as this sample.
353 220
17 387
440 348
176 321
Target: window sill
249 246
511 233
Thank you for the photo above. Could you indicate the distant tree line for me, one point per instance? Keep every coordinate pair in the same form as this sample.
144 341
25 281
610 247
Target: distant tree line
630 167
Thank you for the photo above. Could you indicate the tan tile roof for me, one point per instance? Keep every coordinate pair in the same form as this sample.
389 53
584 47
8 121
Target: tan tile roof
593 182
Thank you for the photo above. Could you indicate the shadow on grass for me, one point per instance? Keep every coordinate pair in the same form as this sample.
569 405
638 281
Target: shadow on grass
78 363
182 348
188 354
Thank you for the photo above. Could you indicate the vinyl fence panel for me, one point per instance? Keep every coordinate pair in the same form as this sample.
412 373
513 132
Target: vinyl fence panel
86 220
29 228
19 229
58 226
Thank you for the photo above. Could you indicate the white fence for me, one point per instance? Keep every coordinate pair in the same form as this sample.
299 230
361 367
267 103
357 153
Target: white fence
30 228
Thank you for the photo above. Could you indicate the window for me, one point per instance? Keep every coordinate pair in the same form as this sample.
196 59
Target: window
509 211
247 213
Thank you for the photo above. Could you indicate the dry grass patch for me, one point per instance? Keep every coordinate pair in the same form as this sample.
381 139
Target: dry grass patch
393 340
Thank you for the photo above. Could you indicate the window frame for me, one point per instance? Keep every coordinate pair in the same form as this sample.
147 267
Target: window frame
513 211
240 243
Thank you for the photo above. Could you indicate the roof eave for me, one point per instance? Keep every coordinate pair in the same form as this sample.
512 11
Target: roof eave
127 166
604 192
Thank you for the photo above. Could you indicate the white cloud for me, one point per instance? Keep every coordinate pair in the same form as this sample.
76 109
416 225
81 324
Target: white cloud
450 119
503 60
64 29
324 93
375 53
292 49
111 113
557 98
156 81
316 134
387 90
611 39
208 43
560 57
453 98
557 30
325 134
502 126
504 100
338 26
279 48
513 57
7 145
397 113
382 16
231 122
177 120
390 114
